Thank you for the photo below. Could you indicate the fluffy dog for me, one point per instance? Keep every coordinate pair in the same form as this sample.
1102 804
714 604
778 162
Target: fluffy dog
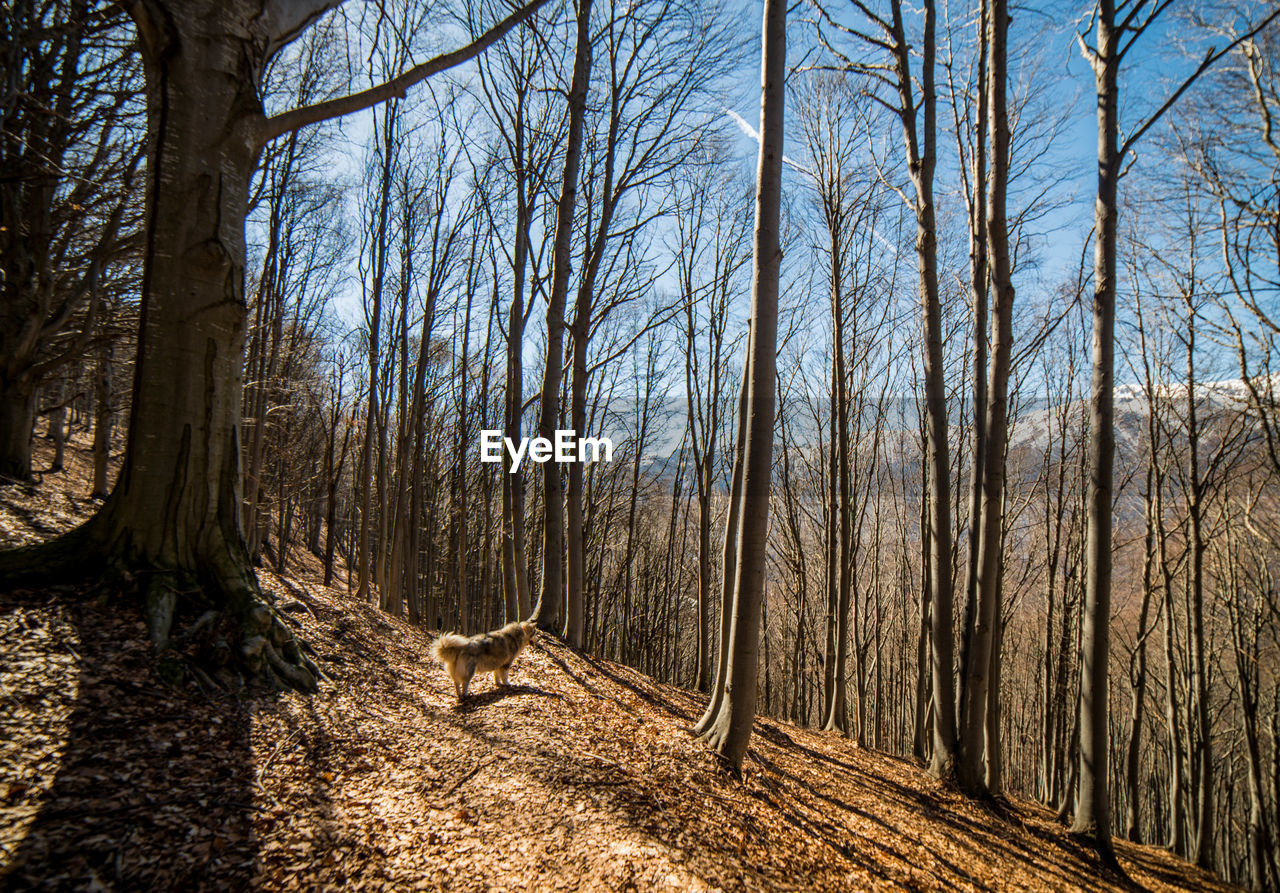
494 651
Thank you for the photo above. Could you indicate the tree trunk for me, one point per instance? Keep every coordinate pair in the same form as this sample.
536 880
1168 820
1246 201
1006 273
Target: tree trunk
548 612
982 653
331 508
1093 812
176 508
574 546
831 541
995 756
58 434
103 415
1138 680
1202 850
837 714
729 554
515 574
920 738
17 424
729 733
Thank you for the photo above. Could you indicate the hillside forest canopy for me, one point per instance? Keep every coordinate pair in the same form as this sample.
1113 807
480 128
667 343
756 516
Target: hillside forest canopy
936 372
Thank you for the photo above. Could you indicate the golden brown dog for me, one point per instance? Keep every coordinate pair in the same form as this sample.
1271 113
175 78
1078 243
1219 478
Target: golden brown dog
494 651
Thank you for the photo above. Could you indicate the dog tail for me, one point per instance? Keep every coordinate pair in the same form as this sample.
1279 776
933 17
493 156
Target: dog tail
447 647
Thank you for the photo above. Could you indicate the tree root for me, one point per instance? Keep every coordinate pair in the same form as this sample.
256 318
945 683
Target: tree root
231 636
247 641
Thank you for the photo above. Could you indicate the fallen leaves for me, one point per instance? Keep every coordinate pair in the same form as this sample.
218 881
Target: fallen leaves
581 775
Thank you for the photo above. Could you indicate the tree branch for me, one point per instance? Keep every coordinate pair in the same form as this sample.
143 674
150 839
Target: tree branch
1210 57
285 122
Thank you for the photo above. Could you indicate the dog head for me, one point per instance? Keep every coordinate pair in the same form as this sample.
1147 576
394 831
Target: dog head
529 631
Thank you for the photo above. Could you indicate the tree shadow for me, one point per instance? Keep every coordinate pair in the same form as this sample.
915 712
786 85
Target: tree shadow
153 786
644 687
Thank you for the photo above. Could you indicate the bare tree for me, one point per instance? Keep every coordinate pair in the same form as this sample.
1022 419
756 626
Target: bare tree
976 752
207 128
1114 38
712 251
549 611
70 145
730 730
894 85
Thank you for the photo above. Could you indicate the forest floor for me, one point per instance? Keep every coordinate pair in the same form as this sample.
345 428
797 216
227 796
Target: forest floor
579 776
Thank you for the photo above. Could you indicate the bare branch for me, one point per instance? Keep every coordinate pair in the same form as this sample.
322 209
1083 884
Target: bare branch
283 123
1210 58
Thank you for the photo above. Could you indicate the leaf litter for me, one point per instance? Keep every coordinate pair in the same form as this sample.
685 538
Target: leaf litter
581 775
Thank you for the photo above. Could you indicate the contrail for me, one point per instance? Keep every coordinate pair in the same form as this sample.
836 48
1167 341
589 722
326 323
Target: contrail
750 131
755 136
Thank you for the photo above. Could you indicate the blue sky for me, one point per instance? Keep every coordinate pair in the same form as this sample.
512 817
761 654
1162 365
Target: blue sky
1047 62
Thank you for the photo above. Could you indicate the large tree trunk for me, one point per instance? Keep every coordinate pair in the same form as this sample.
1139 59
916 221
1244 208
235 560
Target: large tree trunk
175 510
1093 806
730 731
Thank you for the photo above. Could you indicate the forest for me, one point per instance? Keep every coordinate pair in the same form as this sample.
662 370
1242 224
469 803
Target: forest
933 347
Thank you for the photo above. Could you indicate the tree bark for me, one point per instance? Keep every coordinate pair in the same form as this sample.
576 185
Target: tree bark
730 732
575 567
176 507
103 415
549 611
515 575
17 425
1093 805
982 652
922 155
979 291
729 551
372 434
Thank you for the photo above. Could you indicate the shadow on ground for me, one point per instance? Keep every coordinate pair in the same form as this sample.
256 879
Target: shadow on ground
134 784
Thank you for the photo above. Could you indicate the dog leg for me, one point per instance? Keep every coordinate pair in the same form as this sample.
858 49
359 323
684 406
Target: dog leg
468 671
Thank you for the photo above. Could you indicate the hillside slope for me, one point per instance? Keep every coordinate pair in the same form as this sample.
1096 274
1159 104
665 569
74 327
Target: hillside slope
581 775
